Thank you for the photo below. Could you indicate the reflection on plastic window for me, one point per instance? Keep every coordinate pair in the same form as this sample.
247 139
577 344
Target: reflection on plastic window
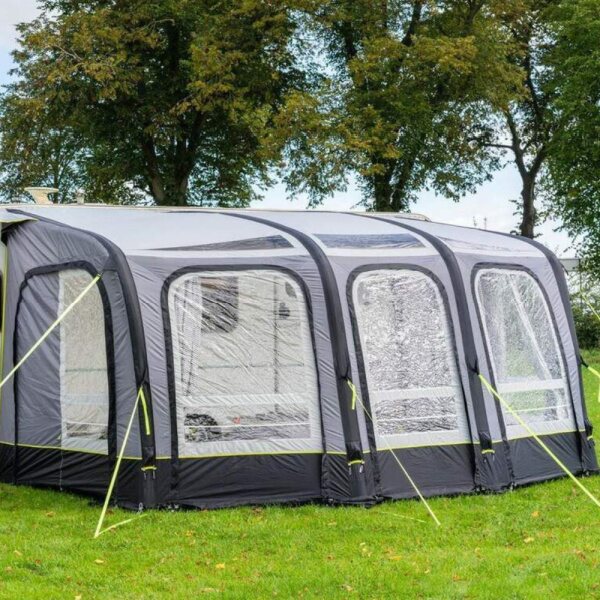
84 376
409 357
220 301
524 350
369 241
244 363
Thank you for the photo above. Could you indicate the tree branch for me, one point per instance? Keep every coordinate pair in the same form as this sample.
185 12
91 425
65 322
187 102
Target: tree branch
152 170
485 144
417 10
516 145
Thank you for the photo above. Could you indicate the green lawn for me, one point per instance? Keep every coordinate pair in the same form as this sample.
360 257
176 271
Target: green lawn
534 542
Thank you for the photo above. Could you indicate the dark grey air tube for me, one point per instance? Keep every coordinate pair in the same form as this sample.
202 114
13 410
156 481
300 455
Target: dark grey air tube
341 355
586 444
138 340
470 350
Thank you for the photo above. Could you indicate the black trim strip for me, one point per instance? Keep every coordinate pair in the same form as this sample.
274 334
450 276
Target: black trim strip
199 269
341 355
136 328
110 352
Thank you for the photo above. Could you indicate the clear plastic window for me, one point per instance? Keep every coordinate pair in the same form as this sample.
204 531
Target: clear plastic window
272 242
244 365
524 351
409 359
84 377
369 240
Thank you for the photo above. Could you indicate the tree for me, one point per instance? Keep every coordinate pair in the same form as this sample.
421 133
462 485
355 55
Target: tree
527 124
45 156
172 98
574 161
408 94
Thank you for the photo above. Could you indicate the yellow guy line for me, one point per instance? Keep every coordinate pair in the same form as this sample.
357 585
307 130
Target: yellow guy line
113 479
587 301
596 374
551 454
145 409
356 397
50 329
590 369
3 317
354 394
139 396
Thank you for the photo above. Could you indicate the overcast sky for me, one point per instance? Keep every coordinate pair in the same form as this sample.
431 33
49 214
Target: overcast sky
491 204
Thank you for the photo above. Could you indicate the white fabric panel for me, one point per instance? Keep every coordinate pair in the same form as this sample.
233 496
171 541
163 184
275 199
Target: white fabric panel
319 224
524 351
83 366
152 229
245 374
410 363
470 240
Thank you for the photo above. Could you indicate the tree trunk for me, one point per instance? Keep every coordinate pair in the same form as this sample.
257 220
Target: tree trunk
399 198
399 202
382 193
175 195
157 190
168 185
528 205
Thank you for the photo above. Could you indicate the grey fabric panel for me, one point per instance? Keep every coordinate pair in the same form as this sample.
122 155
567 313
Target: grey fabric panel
8 218
38 244
438 470
546 278
13 281
125 385
532 463
317 222
47 244
470 240
135 229
345 266
38 380
150 276
542 270
235 480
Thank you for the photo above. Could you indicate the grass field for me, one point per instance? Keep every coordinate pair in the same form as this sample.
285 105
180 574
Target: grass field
536 542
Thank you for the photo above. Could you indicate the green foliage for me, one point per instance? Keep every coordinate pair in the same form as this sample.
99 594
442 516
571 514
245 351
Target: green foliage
585 302
525 125
534 542
587 325
195 102
575 158
43 155
174 97
407 98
